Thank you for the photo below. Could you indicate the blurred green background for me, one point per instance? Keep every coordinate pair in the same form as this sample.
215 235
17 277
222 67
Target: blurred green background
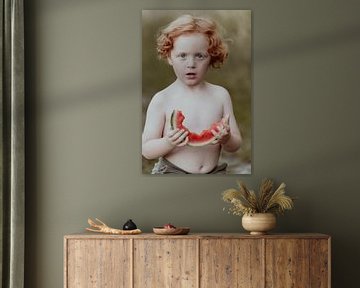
234 75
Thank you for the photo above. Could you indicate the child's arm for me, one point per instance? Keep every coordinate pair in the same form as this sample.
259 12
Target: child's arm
232 140
154 145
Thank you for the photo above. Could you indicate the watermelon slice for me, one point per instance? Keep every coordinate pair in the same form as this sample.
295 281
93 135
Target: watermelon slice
204 138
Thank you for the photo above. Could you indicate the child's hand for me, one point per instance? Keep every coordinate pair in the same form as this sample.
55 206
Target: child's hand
177 137
223 133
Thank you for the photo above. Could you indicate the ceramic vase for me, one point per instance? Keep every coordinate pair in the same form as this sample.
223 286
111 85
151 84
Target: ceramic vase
259 223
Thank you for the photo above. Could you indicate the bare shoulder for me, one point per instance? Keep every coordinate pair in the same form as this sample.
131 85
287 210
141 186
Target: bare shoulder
219 92
160 98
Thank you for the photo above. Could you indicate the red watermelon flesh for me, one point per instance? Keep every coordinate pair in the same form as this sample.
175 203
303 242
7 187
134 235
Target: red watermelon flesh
204 138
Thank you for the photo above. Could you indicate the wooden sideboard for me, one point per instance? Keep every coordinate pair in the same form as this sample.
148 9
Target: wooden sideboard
197 260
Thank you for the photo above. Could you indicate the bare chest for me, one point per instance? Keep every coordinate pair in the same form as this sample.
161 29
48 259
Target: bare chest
199 113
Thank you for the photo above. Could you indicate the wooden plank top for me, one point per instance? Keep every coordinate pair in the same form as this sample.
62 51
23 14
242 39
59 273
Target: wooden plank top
89 235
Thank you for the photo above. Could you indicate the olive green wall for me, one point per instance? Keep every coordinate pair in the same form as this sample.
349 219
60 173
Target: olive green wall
83 73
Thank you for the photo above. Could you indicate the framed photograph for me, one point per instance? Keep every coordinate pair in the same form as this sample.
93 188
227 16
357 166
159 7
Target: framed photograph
196 92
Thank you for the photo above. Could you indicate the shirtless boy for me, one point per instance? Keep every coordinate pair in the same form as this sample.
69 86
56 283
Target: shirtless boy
190 45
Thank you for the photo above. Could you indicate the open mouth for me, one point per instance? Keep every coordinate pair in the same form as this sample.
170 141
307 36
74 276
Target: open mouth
190 74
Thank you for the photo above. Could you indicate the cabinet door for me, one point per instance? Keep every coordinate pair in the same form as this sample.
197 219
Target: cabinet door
98 263
297 263
170 263
287 263
231 263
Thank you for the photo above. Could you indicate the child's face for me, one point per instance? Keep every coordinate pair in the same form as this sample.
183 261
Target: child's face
189 58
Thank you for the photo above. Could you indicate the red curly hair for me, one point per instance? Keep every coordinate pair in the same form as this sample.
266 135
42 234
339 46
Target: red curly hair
190 24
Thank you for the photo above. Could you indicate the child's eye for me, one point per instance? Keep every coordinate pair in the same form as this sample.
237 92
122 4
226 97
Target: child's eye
200 56
182 55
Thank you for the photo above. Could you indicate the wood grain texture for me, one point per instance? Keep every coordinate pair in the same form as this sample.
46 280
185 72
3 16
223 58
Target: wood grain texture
319 263
98 264
197 261
231 263
166 263
287 263
89 235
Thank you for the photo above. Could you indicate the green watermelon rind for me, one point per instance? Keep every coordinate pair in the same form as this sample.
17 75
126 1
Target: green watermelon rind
193 143
172 120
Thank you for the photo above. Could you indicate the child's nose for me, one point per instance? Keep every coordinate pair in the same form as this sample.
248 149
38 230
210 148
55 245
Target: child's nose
191 62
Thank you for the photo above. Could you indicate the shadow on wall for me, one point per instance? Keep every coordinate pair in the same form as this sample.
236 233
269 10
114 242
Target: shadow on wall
103 92
307 45
121 87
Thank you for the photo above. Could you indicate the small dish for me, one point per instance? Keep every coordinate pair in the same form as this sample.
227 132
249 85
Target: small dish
171 231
